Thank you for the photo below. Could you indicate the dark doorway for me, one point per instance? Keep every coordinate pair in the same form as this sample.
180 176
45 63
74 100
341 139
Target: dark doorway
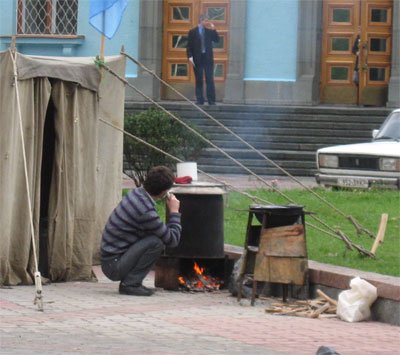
45 183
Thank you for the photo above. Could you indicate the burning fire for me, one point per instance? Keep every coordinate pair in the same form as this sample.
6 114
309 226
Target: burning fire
199 281
199 270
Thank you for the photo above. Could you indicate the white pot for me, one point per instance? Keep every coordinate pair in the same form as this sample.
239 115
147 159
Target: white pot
187 169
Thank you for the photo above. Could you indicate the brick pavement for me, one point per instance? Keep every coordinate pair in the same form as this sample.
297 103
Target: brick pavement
92 318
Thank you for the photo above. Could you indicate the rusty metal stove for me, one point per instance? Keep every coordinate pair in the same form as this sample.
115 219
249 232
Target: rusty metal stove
202 239
275 250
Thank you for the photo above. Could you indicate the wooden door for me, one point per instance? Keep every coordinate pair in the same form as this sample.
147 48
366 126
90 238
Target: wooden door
368 25
179 17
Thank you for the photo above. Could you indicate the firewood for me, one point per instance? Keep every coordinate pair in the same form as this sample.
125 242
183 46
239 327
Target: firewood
294 310
305 314
331 310
305 308
381 233
273 310
303 302
317 302
320 310
326 297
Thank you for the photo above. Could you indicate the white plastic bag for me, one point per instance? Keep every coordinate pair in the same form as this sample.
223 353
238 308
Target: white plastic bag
354 304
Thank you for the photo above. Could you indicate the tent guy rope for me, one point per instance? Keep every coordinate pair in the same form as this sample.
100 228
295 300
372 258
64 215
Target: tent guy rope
357 225
38 300
339 233
349 243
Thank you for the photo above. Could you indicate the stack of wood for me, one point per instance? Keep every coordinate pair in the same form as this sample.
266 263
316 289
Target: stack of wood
321 307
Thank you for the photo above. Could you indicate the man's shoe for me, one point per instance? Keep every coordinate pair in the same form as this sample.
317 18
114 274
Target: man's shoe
199 103
152 290
139 290
211 103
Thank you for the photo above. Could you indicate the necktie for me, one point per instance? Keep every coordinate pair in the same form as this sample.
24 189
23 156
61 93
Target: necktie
203 45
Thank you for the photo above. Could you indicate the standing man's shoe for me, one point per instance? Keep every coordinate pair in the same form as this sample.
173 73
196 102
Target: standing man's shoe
211 103
138 290
199 103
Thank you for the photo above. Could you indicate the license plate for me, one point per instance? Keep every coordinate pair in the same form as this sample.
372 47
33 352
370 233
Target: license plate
353 182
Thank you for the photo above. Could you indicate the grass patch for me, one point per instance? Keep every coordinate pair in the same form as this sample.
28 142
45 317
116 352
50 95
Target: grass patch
365 206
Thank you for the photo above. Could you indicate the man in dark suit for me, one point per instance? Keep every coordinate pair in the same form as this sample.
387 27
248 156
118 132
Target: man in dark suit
200 53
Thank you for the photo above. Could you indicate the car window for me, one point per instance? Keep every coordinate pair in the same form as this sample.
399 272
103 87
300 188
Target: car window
390 129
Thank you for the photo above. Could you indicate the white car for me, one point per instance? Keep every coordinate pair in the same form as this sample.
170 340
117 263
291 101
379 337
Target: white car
364 165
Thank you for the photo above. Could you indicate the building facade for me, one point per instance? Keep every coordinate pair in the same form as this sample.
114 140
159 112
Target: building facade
271 52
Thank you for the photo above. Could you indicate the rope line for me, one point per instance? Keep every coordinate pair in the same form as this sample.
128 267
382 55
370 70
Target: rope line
338 235
38 280
102 64
141 65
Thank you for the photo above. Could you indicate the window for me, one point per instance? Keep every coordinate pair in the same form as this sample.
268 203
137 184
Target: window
179 70
379 15
339 73
340 44
219 71
221 42
341 15
51 17
179 41
377 74
378 44
216 13
181 13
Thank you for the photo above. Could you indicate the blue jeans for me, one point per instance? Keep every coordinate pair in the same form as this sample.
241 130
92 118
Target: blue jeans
132 267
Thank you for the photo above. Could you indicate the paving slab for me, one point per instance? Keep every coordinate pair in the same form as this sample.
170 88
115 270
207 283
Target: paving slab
92 318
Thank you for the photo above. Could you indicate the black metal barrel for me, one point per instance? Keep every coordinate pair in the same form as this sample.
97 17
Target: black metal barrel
202 209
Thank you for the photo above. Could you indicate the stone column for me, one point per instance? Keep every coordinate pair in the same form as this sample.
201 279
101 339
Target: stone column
307 88
234 84
150 51
394 81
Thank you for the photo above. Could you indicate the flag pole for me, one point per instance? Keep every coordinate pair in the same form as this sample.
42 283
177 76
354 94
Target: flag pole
102 42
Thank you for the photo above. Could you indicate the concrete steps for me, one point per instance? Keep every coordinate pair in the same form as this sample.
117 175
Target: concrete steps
287 135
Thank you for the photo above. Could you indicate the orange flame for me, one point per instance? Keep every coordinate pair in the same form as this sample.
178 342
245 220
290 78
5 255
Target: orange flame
199 270
181 280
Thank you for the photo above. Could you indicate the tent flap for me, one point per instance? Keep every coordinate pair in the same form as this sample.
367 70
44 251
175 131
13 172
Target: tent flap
83 72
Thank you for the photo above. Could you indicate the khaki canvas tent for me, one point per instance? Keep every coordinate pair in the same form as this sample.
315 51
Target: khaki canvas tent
73 160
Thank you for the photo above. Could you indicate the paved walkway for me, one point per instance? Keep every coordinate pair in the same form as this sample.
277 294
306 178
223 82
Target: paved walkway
92 318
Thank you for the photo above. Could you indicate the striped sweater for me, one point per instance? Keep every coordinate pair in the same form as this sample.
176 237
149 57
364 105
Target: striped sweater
134 218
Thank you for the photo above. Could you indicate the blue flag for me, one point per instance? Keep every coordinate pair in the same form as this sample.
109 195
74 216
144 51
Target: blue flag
106 15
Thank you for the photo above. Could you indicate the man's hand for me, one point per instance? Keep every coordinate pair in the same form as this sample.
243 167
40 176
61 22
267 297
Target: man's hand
173 203
191 61
209 25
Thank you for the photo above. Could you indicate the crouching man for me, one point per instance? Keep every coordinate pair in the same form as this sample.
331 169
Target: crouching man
134 236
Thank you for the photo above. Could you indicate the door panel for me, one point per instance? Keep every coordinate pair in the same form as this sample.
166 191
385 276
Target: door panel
376 43
343 21
179 17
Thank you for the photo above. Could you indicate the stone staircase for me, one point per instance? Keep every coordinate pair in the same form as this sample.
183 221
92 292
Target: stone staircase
289 136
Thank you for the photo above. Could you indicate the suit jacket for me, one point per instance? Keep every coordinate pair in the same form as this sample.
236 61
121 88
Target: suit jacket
193 48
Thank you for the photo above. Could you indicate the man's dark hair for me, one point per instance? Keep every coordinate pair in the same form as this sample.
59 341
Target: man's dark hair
203 17
158 179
